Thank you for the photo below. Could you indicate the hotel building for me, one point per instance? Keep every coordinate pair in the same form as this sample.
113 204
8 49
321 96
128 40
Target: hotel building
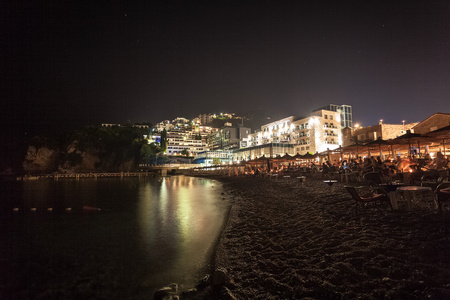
317 133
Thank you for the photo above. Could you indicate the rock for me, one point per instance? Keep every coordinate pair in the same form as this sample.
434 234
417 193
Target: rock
219 277
169 292
202 283
174 287
40 160
188 293
163 294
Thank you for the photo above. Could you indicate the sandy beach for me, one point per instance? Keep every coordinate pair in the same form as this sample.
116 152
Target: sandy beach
288 241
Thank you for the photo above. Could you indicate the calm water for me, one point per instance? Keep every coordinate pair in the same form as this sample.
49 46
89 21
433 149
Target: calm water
149 233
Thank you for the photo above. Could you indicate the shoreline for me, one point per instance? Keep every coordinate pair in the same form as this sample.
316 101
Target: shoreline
283 240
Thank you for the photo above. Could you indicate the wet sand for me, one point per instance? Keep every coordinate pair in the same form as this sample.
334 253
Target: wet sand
285 241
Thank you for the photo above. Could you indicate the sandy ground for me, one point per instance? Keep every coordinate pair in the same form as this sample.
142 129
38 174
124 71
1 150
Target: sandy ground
285 241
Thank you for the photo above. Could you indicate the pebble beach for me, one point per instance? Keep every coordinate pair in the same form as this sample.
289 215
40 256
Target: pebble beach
285 240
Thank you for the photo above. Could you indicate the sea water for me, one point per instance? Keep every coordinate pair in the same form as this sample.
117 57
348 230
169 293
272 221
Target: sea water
149 232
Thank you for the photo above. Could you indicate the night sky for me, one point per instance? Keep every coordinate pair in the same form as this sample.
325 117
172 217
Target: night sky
70 63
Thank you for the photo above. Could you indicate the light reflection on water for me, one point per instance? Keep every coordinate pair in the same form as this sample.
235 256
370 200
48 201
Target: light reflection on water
151 232
183 215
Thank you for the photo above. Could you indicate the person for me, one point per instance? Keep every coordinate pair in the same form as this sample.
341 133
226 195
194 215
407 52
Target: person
379 162
344 165
406 165
325 170
439 162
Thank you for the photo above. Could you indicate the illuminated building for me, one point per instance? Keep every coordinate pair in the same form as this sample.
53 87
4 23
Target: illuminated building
210 158
345 112
228 137
177 141
316 133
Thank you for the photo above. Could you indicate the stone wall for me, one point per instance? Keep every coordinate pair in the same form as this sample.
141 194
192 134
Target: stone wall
436 121
371 133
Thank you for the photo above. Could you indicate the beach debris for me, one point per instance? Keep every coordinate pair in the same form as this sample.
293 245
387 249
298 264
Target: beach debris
15 209
50 209
69 209
33 209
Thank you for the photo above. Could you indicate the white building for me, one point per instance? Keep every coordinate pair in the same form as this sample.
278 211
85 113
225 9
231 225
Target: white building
316 133
177 141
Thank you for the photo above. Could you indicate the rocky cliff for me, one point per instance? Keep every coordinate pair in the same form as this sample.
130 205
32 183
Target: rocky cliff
40 160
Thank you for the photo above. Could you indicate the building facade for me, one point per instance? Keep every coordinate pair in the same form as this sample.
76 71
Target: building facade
177 141
211 158
317 133
345 112
228 137
372 133
432 123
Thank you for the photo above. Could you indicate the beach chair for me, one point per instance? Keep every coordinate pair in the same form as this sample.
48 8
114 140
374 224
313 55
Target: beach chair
442 194
373 178
431 179
374 196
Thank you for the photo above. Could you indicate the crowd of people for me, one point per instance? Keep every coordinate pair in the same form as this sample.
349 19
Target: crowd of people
388 167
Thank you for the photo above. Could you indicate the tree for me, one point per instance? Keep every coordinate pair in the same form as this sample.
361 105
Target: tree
164 141
149 153
185 152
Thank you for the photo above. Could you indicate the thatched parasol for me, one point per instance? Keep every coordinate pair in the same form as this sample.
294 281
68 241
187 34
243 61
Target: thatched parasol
378 142
287 157
309 156
440 134
408 138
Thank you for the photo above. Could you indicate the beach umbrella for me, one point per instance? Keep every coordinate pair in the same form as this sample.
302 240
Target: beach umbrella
378 142
287 157
409 138
440 134
298 156
351 148
309 156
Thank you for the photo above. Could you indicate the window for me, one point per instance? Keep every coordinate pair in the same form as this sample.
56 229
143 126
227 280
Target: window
331 117
326 117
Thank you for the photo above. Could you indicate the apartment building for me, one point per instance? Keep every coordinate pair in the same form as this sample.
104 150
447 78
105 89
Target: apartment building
316 133
228 137
178 140
345 111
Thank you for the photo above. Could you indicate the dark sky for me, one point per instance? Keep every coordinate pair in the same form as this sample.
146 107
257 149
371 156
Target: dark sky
71 63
